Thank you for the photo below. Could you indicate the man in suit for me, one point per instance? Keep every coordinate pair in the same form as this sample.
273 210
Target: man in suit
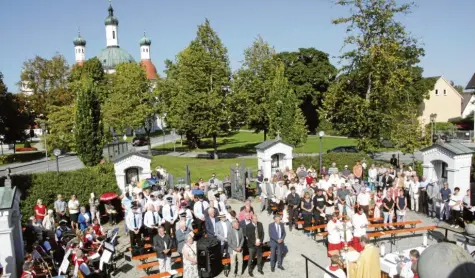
277 236
235 244
255 239
181 235
210 222
293 201
223 227
162 243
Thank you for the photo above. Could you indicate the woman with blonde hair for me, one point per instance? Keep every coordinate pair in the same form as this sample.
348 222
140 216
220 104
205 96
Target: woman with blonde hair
190 258
40 211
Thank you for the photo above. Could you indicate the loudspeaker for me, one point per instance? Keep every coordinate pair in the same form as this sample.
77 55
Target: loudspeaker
472 194
209 257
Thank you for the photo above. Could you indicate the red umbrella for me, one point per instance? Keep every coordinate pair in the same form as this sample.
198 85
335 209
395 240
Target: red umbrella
109 196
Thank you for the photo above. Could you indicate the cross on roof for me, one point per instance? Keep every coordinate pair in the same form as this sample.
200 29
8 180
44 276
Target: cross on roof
278 135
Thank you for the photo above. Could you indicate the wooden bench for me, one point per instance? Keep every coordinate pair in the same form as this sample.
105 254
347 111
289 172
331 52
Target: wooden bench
412 223
225 261
146 246
147 256
148 266
393 233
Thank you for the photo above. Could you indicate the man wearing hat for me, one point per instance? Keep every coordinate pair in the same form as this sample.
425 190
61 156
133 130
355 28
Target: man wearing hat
170 215
212 192
133 221
221 231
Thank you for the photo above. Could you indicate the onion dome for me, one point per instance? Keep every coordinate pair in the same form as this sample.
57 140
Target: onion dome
79 41
145 41
111 19
112 56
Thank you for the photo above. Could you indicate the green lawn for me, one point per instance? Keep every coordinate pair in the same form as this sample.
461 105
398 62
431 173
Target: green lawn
200 167
244 142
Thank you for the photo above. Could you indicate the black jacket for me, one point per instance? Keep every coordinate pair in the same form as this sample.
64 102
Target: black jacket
293 201
251 234
159 245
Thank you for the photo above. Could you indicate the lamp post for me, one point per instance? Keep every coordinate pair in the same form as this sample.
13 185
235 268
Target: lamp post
433 116
321 134
57 153
43 128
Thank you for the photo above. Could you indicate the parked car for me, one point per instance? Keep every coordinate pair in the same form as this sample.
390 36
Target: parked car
348 149
140 141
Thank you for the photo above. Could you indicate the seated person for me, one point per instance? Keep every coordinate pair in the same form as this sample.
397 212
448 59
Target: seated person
111 212
28 271
409 269
61 229
90 239
98 232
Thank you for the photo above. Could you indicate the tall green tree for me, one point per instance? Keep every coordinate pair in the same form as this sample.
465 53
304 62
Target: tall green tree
92 69
196 88
310 73
48 79
61 124
131 102
375 89
89 128
252 86
285 116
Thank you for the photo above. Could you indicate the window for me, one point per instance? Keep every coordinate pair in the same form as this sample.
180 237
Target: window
143 49
436 92
444 170
113 34
147 50
445 92
83 50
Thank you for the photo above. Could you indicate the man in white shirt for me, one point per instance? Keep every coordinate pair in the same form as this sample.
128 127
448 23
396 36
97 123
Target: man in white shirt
134 224
221 231
199 209
325 183
152 220
363 200
360 223
170 215
413 185
372 176
281 193
455 204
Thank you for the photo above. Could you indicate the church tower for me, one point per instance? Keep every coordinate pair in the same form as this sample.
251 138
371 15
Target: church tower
112 28
79 50
146 62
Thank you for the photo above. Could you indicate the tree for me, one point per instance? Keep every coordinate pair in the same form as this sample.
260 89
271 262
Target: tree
92 69
376 88
408 134
196 88
252 86
459 88
284 114
61 122
310 73
48 80
14 119
88 130
130 102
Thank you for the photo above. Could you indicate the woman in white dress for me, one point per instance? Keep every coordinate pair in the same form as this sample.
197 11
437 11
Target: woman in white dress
190 258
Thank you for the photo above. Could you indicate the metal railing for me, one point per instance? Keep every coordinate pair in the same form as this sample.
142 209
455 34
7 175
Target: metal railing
307 259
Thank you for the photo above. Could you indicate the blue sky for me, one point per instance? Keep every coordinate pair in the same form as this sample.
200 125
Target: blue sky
46 27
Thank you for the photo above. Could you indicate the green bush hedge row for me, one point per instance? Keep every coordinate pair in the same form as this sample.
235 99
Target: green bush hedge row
46 186
21 157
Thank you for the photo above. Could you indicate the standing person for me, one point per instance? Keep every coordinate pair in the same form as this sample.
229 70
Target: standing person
433 192
341 195
423 198
307 212
169 215
210 222
350 202
73 207
329 203
127 207
335 268
181 236
134 225
444 195
401 206
40 211
467 213
84 219
259 180
378 203
363 200
277 236
223 227
255 238
393 161
235 243
319 208
190 258
151 221
94 207
456 207
388 208
360 223
334 238
269 194
368 264
60 208
414 193
280 195
162 243
199 209
358 170
372 177
48 222
293 201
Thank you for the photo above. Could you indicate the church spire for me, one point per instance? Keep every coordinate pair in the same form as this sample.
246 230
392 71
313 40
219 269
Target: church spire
112 26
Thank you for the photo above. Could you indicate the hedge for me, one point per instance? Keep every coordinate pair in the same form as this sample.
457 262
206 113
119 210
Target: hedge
21 157
341 159
47 186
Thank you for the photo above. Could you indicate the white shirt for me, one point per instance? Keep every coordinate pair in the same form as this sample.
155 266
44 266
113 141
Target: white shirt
372 173
339 273
359 222
169 213
225 229
278 229
198 209
133 221
414 188
73 206
149 220
333 232
323 184
281 192
456 198
363 199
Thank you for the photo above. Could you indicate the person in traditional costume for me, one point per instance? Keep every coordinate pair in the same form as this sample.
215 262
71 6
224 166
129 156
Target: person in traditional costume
360 223
335 268
28 271
368 264
334 239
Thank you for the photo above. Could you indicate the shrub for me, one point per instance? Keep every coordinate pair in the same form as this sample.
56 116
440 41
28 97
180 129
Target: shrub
26 149
341 159
21 157
46 186
27 144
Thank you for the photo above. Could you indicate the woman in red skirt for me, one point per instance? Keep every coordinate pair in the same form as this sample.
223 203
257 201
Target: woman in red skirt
334 239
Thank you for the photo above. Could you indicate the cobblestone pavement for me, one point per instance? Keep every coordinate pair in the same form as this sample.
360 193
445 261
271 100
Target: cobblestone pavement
297 243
